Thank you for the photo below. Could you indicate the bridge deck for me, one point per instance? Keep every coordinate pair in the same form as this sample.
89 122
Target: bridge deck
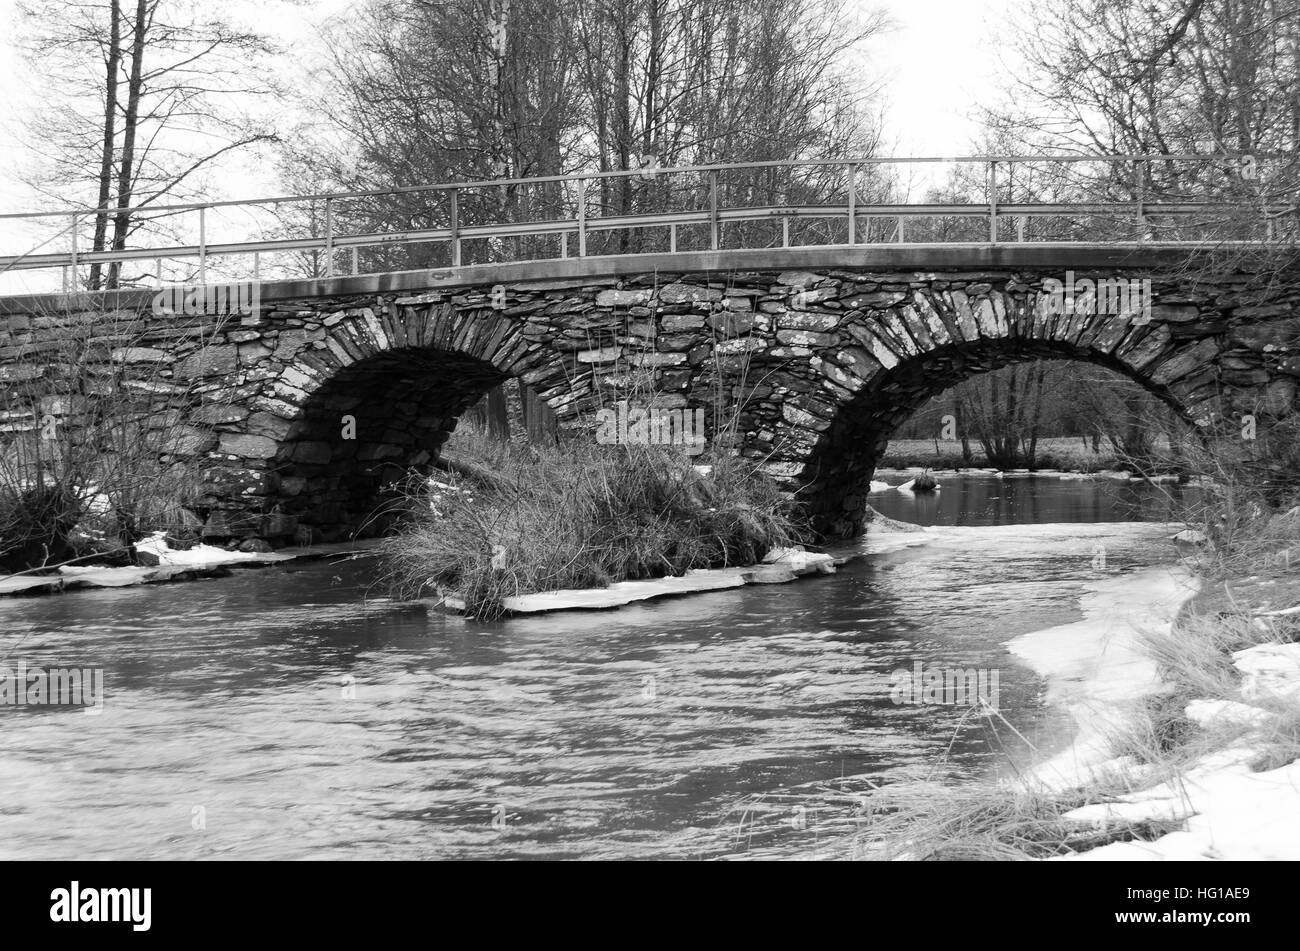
916 257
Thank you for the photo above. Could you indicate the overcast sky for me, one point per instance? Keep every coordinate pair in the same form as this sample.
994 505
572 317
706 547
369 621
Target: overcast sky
941 62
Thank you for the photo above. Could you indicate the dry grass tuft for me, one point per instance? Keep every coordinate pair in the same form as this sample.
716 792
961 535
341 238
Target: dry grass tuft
582 516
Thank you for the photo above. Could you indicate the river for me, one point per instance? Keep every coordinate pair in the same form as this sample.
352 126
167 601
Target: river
295 712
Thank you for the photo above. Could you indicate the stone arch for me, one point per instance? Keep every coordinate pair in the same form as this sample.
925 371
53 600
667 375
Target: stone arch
909 354
366 398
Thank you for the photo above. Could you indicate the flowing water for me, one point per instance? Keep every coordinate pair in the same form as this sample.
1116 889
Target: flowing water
294 713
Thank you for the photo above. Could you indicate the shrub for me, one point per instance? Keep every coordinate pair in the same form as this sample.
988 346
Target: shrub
582 516
94 448
35 524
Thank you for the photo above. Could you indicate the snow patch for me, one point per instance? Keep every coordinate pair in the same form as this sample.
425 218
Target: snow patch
1095 666
778 566
1095 669
1269 672
909 487
201 555
1230 812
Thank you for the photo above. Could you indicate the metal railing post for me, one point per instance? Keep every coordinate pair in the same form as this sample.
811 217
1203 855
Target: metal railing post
672 238
902 224
75 219
329 237
454 222
582 217
785 230
355 261
1140 168
853 204
713 210
991 189
203 244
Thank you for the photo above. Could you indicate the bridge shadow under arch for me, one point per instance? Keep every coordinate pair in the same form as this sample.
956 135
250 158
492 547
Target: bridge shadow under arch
368 426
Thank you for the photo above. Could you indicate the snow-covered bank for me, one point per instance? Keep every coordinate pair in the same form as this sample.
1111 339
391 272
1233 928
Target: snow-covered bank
173 564
1096 669
1229 809
1065 475
909 487
779 566
1230 812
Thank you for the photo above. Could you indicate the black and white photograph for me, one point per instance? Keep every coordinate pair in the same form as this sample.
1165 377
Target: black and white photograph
640 430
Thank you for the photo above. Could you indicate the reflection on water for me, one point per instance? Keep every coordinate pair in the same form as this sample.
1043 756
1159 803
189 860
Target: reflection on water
281 714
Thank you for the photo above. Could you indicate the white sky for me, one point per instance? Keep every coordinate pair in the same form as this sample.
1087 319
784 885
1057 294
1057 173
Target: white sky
943 59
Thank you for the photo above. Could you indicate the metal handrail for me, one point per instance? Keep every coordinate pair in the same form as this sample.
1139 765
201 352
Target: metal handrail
1139 211
638 173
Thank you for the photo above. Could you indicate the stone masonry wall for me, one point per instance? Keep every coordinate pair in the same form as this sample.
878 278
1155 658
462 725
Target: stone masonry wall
306 413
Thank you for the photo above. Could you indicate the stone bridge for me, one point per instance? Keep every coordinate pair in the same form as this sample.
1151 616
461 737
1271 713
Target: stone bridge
305 410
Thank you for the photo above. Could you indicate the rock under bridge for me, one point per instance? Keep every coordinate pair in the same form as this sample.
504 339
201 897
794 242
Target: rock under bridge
302 412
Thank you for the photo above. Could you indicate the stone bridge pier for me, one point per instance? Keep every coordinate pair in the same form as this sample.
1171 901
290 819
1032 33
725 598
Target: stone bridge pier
308 410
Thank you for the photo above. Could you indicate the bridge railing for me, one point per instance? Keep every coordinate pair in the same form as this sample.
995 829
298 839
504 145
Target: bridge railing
1042 199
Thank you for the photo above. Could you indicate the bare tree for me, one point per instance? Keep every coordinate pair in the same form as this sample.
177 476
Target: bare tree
477 89
148 94
1202 77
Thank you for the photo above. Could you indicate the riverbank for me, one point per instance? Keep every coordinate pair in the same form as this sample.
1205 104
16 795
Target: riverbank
208 561
1116 475
200 561
778 567
1185 696
1059 452
1230 783
1094 667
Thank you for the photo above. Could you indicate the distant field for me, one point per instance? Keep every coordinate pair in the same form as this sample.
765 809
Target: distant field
1058 452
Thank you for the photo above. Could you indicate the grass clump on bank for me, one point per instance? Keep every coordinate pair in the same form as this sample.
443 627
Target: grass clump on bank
521 519
988 824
